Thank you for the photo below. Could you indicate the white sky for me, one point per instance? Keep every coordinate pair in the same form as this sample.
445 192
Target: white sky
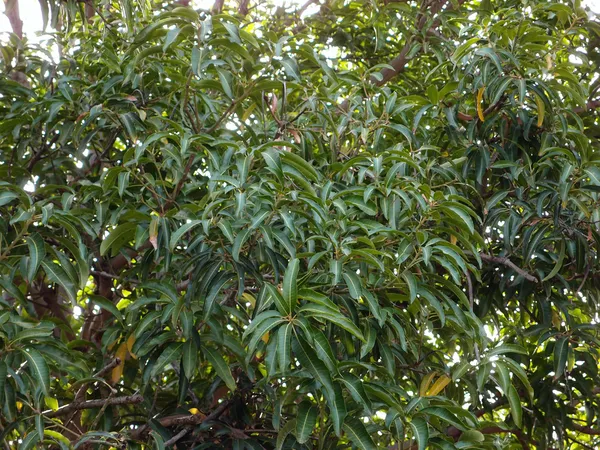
32 18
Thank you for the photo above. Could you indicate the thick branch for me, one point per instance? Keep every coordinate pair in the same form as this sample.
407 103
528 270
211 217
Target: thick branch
90 404
11 10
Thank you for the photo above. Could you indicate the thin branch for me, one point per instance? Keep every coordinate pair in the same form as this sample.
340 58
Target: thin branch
107 368
182 420
585 430
175 193
178 436
99 403
503 260
589 106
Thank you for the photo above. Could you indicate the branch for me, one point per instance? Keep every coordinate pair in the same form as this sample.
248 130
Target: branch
110 366
503 260
589 106
90 404
400 61
175 193
585 430
183 420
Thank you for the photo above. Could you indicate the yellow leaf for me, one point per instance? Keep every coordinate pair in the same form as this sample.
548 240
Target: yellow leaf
19 406
130 342
541 110
438 386
51 403
56 435
556 319
118 371
249 298
479 101
153 231
265 338
427 379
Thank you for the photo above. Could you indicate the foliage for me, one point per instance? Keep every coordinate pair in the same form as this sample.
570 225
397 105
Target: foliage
376 225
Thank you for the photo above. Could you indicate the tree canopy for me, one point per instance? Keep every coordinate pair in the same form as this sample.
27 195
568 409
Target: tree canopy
343 224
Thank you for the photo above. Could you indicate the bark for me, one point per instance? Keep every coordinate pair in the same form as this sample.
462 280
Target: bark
11 10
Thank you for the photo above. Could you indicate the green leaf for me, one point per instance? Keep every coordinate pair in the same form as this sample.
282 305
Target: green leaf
300 164
39 369
117 238
420 432
305 421
311 362
190 358
337 407
57 274
354 285
240 240
290 286
356 431
106 304
262 329
516 409
356 389
283 433
284 347
176 236
561 353
172 352
282 306
221 367
559 261
491 54
37 253
215 289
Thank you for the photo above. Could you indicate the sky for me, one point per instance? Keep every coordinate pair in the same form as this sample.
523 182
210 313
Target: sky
32 18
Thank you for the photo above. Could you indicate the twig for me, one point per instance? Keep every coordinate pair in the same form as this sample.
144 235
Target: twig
178 436
175 193
107 368
183 420
99 403
503 260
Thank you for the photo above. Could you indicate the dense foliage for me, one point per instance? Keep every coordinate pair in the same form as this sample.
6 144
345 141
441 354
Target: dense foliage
350 224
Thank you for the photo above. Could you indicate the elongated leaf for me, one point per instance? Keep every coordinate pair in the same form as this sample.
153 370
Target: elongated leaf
311 362
37 253
284 432
353 283
337 407
215 289
290 285
561 353
356 389
356 431
305 421
190 358
420 432
118 237
221 367
39 369
171 353
56 274
284 347
515 406
176 236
